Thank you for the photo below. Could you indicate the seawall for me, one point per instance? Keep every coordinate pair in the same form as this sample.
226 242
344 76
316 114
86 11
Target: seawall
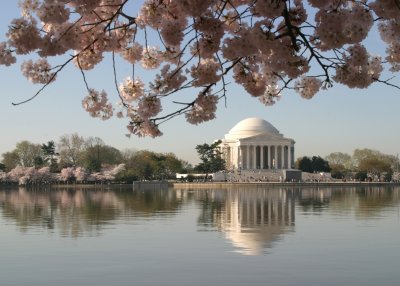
217 185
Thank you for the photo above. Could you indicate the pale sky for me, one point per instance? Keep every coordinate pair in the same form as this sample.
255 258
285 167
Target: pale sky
337 120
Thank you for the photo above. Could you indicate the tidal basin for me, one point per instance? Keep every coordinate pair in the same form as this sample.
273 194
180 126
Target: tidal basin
235 236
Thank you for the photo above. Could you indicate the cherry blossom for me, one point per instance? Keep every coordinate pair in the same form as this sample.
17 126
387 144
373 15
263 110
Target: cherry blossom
6 56
97 104
38 72
185 48
203 109
308 86
67 174
30 175
131 89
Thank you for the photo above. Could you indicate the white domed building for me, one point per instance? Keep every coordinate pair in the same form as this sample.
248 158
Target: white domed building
254 143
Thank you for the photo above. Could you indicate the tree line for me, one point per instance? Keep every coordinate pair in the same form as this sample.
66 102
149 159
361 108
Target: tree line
75 158
363 164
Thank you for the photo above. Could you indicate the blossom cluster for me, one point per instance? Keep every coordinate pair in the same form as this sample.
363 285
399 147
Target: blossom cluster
38 72
30 175
266 46
359 69
203 109
96 103
205 72
6 56
308 86
131 89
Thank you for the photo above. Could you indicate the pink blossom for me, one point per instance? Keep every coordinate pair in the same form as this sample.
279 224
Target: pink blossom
149 106
131 89
6 56
168 80
24 35
307 87
266 46
205 72
38 72
67 174
203 109
145 128
97 104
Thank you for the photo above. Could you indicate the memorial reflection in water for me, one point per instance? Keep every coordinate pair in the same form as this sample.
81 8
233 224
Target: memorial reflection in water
244 236
252 220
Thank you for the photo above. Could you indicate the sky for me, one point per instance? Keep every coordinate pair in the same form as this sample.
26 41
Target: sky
337 120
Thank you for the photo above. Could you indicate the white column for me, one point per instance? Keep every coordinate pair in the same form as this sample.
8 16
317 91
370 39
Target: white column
261 157
239 157
254 157
282 156
230 157
276 156
248 157
289 155
292 154
270 157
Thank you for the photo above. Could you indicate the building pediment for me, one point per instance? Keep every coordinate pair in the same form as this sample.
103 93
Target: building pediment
266 139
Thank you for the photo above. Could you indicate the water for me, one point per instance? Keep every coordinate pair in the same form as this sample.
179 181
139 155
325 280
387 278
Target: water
281 236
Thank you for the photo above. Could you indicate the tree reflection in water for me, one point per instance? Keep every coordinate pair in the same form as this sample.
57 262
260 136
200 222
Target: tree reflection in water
253 220
81 212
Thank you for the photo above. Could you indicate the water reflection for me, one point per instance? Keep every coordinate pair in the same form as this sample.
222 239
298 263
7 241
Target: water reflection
360 202
81 212
252 220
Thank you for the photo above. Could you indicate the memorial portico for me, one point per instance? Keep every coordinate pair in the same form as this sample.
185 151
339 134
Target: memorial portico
254 143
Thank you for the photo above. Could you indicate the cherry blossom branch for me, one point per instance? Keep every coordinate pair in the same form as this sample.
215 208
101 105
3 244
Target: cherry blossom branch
46 84
386 82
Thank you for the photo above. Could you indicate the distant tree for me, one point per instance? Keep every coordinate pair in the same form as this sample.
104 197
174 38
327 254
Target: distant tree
70 148
172 164
127 176
11 160
387 176
339 158
50 154
166 165
374 166
38 162
304 164
319 165
211 158
315 164
97 154
338 171
374 163
27 152
2 167
361 176
93 165
147 165
186 167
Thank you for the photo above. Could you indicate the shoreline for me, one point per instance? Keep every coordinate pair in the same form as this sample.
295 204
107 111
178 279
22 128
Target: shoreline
281 184
206 185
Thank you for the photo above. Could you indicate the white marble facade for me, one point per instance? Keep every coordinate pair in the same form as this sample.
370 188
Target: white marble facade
254 143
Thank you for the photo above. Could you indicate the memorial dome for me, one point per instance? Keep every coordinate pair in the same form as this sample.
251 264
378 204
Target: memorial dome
251 127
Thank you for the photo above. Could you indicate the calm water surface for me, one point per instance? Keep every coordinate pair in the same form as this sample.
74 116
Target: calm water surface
281 236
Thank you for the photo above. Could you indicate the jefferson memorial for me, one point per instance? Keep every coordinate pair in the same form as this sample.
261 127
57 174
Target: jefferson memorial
254 143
